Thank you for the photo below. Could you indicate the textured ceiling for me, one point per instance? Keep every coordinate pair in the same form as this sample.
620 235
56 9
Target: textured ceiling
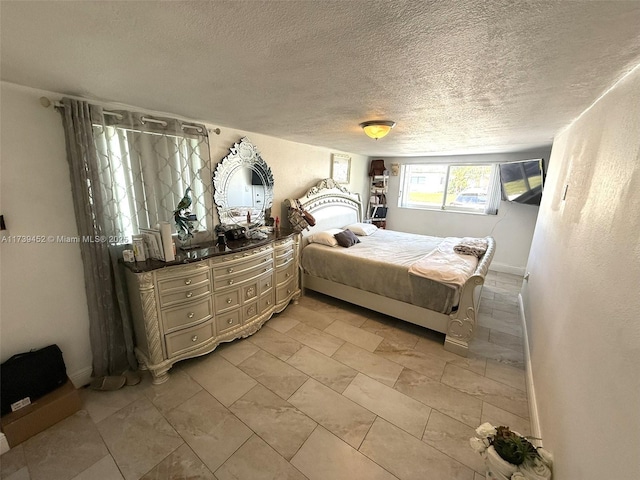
457 76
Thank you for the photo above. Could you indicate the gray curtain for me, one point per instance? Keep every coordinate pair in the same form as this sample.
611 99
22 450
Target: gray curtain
109 321
128 171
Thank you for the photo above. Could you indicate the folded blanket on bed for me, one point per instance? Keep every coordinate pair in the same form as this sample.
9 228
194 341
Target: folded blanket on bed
472 246
444 265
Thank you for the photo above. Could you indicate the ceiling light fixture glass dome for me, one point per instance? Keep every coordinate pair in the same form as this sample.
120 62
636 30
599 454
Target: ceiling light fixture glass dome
377 128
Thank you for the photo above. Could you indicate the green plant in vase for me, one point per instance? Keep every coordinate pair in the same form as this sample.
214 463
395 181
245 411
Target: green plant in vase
512 447
510 456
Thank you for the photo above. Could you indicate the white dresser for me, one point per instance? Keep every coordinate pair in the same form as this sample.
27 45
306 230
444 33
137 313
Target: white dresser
186 310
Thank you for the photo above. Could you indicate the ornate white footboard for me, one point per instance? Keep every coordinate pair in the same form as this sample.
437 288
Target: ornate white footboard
462 322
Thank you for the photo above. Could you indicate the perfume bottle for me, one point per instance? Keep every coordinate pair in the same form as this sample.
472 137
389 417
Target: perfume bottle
221 243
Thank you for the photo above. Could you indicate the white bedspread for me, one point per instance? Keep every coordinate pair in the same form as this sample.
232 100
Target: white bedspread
444 265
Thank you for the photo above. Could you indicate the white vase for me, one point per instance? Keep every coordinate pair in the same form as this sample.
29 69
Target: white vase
537 470
497 467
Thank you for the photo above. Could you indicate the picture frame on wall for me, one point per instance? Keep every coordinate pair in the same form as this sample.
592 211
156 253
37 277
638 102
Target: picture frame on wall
340 167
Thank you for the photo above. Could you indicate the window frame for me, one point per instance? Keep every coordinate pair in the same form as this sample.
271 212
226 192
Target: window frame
494 188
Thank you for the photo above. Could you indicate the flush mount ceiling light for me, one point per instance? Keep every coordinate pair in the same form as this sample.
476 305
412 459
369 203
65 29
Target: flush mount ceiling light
377 128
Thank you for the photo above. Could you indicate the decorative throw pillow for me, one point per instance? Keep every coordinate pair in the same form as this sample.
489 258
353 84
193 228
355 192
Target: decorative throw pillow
346 239
362 229
325 238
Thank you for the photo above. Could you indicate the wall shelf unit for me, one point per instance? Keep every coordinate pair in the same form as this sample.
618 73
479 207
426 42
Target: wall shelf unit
377 207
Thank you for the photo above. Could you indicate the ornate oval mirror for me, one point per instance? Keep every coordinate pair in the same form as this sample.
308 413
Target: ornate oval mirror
242 186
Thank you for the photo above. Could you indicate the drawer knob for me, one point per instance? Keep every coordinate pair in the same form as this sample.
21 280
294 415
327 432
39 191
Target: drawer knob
190 294
194 338
229 270
287 275
288 290
265 270
230 282
247 254
228 300
187 282
265 259
230 321
268 302
191 314
268 284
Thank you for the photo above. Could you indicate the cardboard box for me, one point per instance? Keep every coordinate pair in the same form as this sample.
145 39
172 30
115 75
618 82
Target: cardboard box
46 411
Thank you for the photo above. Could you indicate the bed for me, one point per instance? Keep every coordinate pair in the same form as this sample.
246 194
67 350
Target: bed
379 272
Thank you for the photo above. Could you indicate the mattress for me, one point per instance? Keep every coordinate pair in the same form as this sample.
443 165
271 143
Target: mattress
380 264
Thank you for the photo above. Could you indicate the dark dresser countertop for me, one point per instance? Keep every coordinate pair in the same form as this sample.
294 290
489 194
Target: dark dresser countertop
206 250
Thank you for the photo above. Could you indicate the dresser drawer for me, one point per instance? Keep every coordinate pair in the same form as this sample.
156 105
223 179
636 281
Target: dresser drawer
266 301
284 247
284 259
185 315
264 304
181 296
240 267
196 279
226 301
231 280
266 283
283 244
283 291
285 274
190 338
232 259
228 321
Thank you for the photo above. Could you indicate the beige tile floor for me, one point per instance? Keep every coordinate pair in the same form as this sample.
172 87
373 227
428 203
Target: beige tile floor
325 391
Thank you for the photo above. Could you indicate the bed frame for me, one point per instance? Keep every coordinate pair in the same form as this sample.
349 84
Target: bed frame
334 207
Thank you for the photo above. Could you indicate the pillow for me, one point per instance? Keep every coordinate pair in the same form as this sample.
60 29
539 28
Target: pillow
363 229
346 239
325 238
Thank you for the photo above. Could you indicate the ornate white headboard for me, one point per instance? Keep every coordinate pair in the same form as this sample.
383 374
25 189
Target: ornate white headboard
332 206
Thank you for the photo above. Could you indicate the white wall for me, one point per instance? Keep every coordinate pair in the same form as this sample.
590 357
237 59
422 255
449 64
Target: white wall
295 166
512 228
583 298
42 297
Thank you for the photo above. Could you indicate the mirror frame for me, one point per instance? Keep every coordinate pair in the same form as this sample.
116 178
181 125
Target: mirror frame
241 154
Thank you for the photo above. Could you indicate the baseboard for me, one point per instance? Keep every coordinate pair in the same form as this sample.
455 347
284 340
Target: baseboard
82 377
4 445
504 268
533 405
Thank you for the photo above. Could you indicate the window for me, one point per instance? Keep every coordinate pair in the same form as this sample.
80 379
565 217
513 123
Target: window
145 174
462 188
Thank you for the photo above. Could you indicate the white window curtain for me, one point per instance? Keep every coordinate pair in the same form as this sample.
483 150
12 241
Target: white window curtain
146 166
493 195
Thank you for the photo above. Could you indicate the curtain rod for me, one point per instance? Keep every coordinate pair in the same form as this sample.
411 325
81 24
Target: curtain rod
46 103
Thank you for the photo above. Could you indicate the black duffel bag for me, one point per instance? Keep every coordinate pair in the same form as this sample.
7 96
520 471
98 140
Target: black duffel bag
31 374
